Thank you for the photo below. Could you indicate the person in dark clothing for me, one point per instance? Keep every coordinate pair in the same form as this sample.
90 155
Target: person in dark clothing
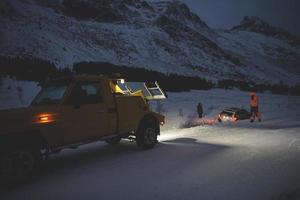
200 110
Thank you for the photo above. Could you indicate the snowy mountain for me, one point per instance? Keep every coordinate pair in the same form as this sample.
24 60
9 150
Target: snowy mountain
255 24
164 36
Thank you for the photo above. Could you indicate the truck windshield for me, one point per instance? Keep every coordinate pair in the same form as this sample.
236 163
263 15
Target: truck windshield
50 95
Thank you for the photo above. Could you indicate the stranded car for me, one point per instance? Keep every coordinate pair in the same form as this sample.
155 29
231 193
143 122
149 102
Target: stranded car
233 114
69 112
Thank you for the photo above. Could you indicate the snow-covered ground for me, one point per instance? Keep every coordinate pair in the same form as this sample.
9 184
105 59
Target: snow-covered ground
14 94
221 161
163 36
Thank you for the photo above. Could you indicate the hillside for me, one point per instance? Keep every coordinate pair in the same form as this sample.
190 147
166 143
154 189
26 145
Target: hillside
162 36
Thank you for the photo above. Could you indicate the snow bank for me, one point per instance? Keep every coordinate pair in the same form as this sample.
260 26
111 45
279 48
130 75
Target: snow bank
14 94
225 161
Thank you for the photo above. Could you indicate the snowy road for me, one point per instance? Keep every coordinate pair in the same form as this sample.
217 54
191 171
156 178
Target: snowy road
201 163
224 161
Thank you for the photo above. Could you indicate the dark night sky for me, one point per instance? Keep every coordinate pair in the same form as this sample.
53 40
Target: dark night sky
228 13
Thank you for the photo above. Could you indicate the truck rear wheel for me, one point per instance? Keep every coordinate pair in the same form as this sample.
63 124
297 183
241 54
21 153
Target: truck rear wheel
146 136
17 165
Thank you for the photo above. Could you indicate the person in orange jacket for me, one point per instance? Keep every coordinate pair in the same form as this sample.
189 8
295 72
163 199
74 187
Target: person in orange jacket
254 107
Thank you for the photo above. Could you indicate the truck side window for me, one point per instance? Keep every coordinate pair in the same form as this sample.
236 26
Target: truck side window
93 95
85 94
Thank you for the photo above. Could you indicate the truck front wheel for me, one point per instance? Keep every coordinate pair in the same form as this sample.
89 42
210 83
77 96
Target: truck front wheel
17 165
146 136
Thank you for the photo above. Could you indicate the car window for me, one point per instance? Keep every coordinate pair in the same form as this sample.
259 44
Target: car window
243 112
93 95
50 95
228 113
85 94
90 90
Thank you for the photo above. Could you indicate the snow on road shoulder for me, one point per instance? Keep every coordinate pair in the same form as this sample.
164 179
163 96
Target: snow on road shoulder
14 93
234 161
264 154
180 107
280 115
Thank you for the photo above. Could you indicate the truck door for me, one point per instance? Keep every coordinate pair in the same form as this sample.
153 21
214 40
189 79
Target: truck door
85 115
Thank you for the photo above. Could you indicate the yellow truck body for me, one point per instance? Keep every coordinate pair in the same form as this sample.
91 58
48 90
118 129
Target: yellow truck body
74 111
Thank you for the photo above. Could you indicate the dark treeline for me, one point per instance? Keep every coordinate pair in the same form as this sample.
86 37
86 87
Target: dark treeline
170 82
251 86
33 69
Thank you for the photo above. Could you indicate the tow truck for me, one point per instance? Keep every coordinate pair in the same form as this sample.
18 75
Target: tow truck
69 112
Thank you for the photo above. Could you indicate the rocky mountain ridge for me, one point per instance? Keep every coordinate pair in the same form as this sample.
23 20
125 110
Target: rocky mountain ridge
163 36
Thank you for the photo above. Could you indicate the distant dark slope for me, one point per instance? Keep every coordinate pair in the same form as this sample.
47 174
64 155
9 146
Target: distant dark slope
257 25
162 36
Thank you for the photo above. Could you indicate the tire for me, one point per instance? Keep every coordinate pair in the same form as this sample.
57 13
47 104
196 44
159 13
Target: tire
113 141
146 136
17 165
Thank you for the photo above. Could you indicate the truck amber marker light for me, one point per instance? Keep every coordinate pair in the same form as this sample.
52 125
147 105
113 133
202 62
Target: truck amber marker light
45 118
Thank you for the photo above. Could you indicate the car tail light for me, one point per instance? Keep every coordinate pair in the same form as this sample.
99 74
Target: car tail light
234 118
